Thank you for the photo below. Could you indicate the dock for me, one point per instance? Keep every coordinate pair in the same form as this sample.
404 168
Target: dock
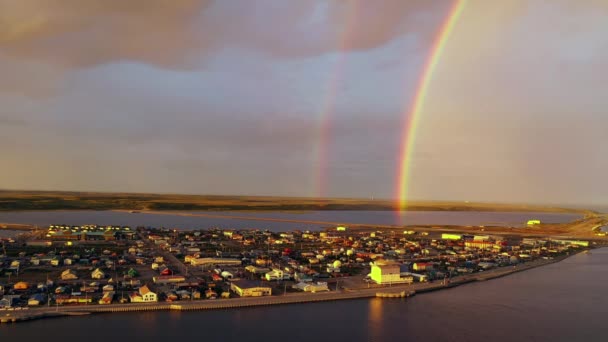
402 294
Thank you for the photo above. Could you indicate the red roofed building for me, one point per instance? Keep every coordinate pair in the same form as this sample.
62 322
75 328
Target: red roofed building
422 266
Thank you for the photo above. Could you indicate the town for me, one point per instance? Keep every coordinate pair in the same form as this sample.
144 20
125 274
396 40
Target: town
92 265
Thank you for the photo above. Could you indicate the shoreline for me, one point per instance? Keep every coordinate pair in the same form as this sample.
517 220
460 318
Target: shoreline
553 229
296 298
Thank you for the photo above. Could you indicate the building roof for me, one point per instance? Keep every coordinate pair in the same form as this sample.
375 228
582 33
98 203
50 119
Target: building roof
144 290
418 264
247 284
21 285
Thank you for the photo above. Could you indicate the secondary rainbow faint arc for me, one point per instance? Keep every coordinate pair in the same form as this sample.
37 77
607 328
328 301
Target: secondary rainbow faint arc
415 110
329 102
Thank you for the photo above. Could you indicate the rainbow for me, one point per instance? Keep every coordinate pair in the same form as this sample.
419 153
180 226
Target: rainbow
412 115
328 106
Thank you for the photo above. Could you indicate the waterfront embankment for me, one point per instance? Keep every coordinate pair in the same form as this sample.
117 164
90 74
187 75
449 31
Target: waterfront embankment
295 298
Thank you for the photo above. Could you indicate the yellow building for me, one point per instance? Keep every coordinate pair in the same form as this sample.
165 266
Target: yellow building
386 273
572 242
246 288
446 236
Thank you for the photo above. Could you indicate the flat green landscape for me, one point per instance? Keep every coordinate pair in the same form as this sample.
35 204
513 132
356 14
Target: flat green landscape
53 200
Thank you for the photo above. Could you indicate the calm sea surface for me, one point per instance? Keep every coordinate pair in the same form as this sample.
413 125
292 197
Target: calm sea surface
565 301
170 220
9 233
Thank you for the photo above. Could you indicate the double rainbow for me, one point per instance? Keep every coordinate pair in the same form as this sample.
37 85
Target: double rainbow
328 106
413 113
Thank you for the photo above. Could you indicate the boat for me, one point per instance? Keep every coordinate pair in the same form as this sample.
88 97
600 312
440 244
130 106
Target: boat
402 294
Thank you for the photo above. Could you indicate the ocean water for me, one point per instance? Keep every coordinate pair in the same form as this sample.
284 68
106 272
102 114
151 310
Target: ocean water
173 220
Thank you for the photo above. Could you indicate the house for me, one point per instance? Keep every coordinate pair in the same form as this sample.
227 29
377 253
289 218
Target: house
479 244
147 294
247 288
98 274
144 295
131 282
10 301
72 299
422 266
311 287
316 287
21 286
68 275
277 274
302 277
168 279
107 298
256 270
132 273
263 262
215 262
210 294
37 299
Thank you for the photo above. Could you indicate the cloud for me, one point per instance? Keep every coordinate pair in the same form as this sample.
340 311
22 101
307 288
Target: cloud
8 121
80 33
73 33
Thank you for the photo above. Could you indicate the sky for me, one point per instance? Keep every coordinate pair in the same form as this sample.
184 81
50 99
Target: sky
305 98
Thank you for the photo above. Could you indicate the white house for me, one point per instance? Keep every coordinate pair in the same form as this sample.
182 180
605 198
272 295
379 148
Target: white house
144 295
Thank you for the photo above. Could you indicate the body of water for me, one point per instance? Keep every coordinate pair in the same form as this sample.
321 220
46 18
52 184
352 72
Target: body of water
171 220
4 233
565 301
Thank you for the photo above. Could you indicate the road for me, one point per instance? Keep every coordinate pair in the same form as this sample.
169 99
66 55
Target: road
168 257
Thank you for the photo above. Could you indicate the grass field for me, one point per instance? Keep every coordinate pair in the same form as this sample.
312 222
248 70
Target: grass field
47 200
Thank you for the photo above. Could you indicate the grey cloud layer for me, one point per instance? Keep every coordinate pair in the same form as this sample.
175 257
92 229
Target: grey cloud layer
169 33
229 96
